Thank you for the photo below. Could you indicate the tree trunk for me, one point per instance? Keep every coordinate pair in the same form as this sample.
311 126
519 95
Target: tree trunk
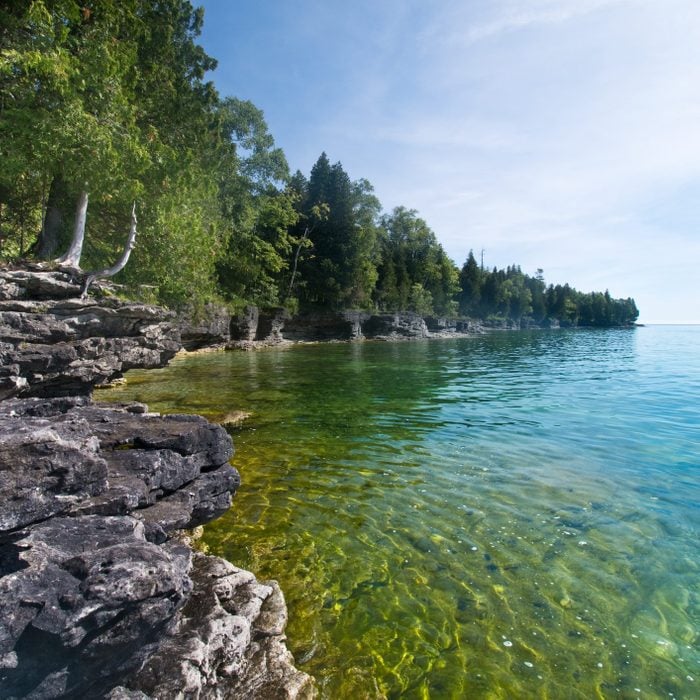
120 264
296 262
50 236
72 257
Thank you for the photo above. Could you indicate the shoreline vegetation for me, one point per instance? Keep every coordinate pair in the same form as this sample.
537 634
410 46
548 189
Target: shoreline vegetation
109 105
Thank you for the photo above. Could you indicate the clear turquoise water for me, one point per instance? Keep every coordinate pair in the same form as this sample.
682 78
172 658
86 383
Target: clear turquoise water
508 516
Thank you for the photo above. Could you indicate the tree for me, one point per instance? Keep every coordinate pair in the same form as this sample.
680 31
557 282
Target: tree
319 212
339 266
410 256
110 99
537 287
470 281
420 300
107 102
123 259
66 114
260 210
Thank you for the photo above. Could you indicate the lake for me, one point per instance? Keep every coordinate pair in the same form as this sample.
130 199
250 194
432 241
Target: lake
513 515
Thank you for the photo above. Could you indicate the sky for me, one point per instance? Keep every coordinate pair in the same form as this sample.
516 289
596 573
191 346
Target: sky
553 134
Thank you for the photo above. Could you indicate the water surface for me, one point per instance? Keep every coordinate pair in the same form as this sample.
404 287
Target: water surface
507 516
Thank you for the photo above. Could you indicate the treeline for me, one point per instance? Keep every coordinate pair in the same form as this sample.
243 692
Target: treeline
110 99
511 294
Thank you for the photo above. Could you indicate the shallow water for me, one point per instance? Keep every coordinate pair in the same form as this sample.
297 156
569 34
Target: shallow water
508 516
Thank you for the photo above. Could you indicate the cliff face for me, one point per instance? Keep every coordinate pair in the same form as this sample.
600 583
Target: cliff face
255 327
100 596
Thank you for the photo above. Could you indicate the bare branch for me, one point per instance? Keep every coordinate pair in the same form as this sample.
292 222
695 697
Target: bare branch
119 265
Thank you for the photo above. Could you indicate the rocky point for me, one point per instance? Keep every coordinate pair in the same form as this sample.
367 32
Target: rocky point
101 594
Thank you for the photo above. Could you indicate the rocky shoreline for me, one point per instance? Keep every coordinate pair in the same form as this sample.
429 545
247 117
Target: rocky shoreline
100 593
254 328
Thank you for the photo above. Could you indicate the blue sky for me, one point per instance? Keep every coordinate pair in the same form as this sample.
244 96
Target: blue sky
555 134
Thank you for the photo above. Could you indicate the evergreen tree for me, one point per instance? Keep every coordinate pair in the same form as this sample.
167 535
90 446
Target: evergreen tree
339 267
537 289
470 281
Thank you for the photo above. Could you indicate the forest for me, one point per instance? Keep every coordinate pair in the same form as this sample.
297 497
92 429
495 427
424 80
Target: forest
108 102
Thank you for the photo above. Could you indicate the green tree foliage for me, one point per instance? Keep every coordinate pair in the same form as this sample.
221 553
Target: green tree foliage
110 98
470 283
338 267
66 107
537 289
414 270
511 294
260 210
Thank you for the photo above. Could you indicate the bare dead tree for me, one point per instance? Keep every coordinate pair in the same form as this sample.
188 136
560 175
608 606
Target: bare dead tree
319 212
72 257
119 265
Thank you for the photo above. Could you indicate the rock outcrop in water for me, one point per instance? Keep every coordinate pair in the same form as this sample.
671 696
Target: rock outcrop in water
100 596
276 325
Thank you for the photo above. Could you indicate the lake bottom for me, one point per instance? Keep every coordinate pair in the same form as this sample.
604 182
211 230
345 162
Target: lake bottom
510 516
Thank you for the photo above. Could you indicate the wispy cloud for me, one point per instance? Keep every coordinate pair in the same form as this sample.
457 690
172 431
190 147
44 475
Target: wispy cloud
513 15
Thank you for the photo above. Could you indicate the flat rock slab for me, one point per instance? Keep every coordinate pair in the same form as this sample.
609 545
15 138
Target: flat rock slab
60 457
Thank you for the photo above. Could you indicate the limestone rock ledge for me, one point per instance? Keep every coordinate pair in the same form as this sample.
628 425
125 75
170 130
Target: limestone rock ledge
54 343
100 596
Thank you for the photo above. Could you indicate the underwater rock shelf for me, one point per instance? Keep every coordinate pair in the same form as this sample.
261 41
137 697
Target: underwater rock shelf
100 593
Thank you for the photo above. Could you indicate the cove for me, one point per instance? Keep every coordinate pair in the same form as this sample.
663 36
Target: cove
509 515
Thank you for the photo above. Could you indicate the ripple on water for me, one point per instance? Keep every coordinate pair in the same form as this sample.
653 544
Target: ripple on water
508 516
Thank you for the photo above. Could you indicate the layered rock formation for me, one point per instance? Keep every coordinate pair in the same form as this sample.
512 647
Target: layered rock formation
99 595
254 327
205 328
53 343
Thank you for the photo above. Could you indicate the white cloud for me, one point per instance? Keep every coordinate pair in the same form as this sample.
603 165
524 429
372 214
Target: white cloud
513 15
